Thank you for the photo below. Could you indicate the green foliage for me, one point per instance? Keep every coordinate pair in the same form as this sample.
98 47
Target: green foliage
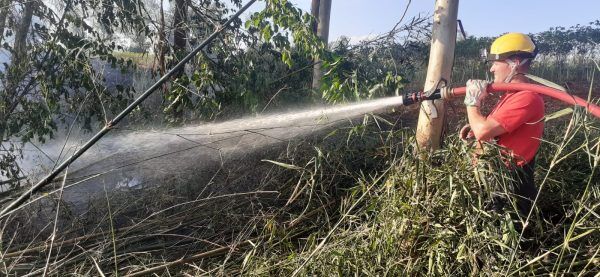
231 82
248 72
561 41
350 75
237 82
375 68
567 54
468 63
280 20
53 72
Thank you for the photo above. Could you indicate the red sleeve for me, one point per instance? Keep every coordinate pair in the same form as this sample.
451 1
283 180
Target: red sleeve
522 107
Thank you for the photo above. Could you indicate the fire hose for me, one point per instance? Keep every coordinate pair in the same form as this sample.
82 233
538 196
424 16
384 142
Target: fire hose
449 93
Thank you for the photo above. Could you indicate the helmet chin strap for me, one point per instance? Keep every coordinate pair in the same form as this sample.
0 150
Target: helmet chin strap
514 66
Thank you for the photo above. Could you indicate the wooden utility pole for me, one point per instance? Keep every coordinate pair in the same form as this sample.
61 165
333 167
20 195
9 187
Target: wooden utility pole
443 40
324 11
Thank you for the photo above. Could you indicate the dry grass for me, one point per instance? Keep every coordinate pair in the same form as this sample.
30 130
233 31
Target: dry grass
354 201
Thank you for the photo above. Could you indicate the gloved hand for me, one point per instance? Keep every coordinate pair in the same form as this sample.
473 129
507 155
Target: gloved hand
476 92
466 133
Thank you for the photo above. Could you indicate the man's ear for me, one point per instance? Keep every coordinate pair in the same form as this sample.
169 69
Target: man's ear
513 63
518 63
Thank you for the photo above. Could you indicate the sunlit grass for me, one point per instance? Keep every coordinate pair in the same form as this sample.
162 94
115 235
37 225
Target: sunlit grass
433 218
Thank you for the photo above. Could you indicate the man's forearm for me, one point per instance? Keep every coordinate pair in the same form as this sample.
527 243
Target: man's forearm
482 127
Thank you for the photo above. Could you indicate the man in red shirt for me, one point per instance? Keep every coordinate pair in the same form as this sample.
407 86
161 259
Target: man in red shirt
516 123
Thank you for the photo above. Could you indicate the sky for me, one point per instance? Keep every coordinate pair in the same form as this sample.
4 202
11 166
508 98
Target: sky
362 18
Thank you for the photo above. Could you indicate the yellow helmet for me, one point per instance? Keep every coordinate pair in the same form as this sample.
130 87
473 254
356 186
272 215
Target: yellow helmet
512 44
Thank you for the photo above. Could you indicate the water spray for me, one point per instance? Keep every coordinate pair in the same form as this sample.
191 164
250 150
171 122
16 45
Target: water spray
48 179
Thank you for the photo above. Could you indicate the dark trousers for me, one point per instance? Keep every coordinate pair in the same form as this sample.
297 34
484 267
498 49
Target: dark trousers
521 186
524 187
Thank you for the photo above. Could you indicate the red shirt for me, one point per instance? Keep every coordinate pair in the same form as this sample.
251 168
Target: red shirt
521 114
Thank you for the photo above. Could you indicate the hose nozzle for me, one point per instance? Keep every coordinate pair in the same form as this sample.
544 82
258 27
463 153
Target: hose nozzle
416 97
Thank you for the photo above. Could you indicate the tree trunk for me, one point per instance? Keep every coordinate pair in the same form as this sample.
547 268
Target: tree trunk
20 46
179 30
161 50
441 57
4 9
323 33
179 44
17 67
161 42
314 11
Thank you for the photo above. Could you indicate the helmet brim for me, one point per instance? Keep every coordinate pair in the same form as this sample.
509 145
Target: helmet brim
500 57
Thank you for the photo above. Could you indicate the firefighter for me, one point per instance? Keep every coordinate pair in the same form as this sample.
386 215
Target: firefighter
516 122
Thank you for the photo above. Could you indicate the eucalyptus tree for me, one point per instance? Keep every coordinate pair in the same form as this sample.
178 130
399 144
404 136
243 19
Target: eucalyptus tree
49 75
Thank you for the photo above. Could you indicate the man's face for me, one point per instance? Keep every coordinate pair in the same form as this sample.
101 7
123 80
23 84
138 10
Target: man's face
501 70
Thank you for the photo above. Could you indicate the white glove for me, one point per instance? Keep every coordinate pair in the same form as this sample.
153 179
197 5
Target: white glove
476 92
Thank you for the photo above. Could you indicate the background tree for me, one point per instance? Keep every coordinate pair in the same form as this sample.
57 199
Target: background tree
314 11
51 74
321 9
